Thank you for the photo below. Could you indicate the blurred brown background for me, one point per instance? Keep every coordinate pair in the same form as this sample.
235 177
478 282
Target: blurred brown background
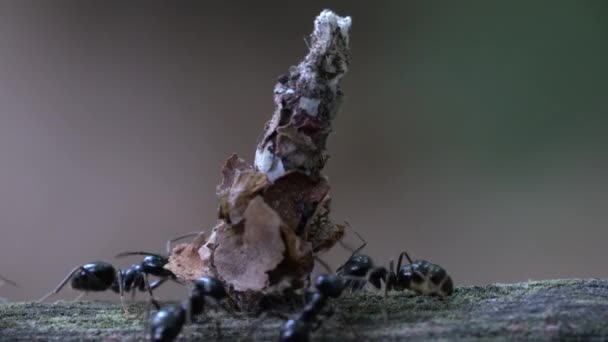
473 133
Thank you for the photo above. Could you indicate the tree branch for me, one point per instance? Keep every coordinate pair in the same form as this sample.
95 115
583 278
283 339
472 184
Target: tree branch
540 310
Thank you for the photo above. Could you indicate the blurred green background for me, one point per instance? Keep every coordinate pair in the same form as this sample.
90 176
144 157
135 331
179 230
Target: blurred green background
472 135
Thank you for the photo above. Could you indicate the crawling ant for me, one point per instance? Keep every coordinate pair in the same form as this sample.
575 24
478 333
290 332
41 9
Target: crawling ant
167 323
100 276
420 276
359 269
299 329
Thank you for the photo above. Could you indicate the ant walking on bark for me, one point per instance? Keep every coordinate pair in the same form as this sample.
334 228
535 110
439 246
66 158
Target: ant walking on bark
420 276
98 276
167 323
299 329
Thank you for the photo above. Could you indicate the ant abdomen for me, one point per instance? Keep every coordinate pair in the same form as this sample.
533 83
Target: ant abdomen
425 278
167 323
95 276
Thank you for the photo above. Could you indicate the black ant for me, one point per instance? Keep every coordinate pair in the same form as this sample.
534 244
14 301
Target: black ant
100 276
167 323
420 276
359 269
299 329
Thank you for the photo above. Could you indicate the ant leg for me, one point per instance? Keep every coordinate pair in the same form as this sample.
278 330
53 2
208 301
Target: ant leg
364 243
152 299
388 279
121 289
188 312
324 264
316 325
79 297
218 330
61 284
181 237
328 313
157 283
147 320
7 281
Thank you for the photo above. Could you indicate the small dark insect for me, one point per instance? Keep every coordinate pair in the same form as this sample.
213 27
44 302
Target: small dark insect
420 276
299 329
167 323
100 276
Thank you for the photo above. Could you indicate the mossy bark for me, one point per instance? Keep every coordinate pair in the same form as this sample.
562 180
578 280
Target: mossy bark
540 310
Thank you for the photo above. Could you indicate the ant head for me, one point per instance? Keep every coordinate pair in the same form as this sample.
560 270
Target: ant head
330 285
154 261
357 265
211 287
408 275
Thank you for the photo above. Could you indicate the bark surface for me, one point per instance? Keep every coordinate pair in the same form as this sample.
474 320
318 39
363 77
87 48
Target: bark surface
541 310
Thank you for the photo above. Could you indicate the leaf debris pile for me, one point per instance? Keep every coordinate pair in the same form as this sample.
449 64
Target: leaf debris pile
274 215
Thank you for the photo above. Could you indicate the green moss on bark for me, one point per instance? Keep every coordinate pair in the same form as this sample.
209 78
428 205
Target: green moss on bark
540 310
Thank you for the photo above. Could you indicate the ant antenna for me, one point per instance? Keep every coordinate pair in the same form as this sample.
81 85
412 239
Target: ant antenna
168 246
364 243
181 237
401 259
324 264
125 254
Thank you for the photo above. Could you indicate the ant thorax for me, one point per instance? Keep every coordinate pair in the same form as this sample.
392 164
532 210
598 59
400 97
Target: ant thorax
426 278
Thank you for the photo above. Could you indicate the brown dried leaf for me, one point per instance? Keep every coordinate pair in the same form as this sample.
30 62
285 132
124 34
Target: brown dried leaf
185 261
232 167
298 262
323 234
242 258
295 197
235 200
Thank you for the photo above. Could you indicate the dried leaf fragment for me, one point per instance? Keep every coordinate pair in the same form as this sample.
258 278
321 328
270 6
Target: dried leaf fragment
242 258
